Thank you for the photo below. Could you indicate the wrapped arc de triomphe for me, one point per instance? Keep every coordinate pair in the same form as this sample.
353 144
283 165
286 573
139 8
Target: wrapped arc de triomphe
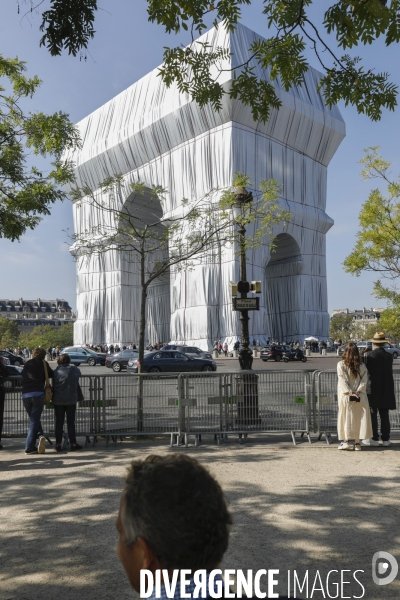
155 135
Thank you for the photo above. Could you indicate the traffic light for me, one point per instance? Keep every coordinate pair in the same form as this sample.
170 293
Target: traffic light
255 287
234 289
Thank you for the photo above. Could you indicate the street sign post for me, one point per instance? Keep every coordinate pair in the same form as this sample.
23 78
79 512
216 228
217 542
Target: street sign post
246 304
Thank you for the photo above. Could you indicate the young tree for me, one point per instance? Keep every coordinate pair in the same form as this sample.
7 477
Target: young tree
26 193
158 242
340 327
390 321
68 24
48 336
9 333
377 248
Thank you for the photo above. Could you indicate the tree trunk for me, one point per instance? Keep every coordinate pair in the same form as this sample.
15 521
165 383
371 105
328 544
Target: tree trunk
142 330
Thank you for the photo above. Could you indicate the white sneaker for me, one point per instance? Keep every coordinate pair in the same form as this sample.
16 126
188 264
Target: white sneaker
370 442
42 445
387 443
345 446
357 447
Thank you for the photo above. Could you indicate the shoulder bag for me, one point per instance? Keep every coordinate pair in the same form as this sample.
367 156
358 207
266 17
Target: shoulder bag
48 392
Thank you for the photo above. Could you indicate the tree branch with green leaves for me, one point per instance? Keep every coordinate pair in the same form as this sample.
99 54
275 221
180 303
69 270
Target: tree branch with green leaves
289 29
26 192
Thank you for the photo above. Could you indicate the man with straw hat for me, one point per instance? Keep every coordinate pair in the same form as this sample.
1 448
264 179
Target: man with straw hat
381 399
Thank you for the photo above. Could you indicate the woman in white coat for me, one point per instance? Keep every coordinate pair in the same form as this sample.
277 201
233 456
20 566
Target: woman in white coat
354 418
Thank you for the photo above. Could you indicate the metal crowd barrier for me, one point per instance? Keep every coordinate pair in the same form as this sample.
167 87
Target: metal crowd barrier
324 409
241 403
195 404
188 404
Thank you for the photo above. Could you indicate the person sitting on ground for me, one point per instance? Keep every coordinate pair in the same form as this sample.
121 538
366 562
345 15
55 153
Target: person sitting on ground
172 515
354 417
33 382
65 396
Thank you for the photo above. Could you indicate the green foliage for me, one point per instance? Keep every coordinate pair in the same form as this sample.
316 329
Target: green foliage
377 247
349 22
68 24
26 193
9 333
48 336
341 327
390 322
345 327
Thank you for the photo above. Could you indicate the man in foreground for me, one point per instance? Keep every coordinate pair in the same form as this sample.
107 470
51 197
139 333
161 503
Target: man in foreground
382 398
172 516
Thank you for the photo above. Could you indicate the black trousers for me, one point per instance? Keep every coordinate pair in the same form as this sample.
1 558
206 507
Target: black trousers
385 424
2 395
60 412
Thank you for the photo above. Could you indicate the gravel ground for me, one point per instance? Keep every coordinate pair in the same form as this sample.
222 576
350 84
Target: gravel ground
308 507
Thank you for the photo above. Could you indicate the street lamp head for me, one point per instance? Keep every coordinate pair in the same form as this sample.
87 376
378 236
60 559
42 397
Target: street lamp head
243 196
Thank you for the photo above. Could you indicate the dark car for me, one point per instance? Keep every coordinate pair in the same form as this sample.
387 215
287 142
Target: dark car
273 353
171 361
14 359
119 361
79 355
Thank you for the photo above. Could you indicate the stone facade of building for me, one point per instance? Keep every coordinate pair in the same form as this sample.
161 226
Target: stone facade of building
31 313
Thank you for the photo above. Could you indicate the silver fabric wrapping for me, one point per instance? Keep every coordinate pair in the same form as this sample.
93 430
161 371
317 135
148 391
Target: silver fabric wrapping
156 135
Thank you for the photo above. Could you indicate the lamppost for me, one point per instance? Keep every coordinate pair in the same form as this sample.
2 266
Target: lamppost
243 197
247 383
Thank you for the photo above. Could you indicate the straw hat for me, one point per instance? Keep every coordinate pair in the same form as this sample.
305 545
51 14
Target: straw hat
379 338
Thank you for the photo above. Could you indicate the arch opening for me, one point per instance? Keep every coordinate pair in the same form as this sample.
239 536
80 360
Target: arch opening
283 273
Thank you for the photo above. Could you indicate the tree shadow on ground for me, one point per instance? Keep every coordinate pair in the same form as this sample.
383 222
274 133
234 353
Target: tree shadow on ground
58 517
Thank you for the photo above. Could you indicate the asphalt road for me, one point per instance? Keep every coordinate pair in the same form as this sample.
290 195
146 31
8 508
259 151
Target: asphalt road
314 363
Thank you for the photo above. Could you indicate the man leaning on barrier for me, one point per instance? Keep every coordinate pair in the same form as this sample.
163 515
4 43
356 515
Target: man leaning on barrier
172 516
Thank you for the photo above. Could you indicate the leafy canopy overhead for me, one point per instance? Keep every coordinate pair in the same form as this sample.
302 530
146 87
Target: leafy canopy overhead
26 193
289 29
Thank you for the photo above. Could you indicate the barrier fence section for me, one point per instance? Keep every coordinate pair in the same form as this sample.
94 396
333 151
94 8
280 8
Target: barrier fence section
326 402
179 405
244 402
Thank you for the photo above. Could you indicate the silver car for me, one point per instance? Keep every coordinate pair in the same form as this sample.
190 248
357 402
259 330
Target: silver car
361 345
193 352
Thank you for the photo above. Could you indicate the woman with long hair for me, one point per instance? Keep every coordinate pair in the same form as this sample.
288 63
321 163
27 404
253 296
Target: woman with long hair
354 418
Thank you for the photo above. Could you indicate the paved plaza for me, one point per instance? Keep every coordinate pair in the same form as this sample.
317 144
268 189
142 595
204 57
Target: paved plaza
308 507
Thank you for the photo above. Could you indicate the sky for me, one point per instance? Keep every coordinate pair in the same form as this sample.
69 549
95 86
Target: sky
126 47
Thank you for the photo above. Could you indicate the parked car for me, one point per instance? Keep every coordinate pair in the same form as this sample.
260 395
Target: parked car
274 352
119 361
171 361
13 384
192 351
13 358
79 355
361 345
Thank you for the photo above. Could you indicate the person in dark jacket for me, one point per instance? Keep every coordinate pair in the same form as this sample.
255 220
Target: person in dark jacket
3 377
65 397
381 398
33 382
